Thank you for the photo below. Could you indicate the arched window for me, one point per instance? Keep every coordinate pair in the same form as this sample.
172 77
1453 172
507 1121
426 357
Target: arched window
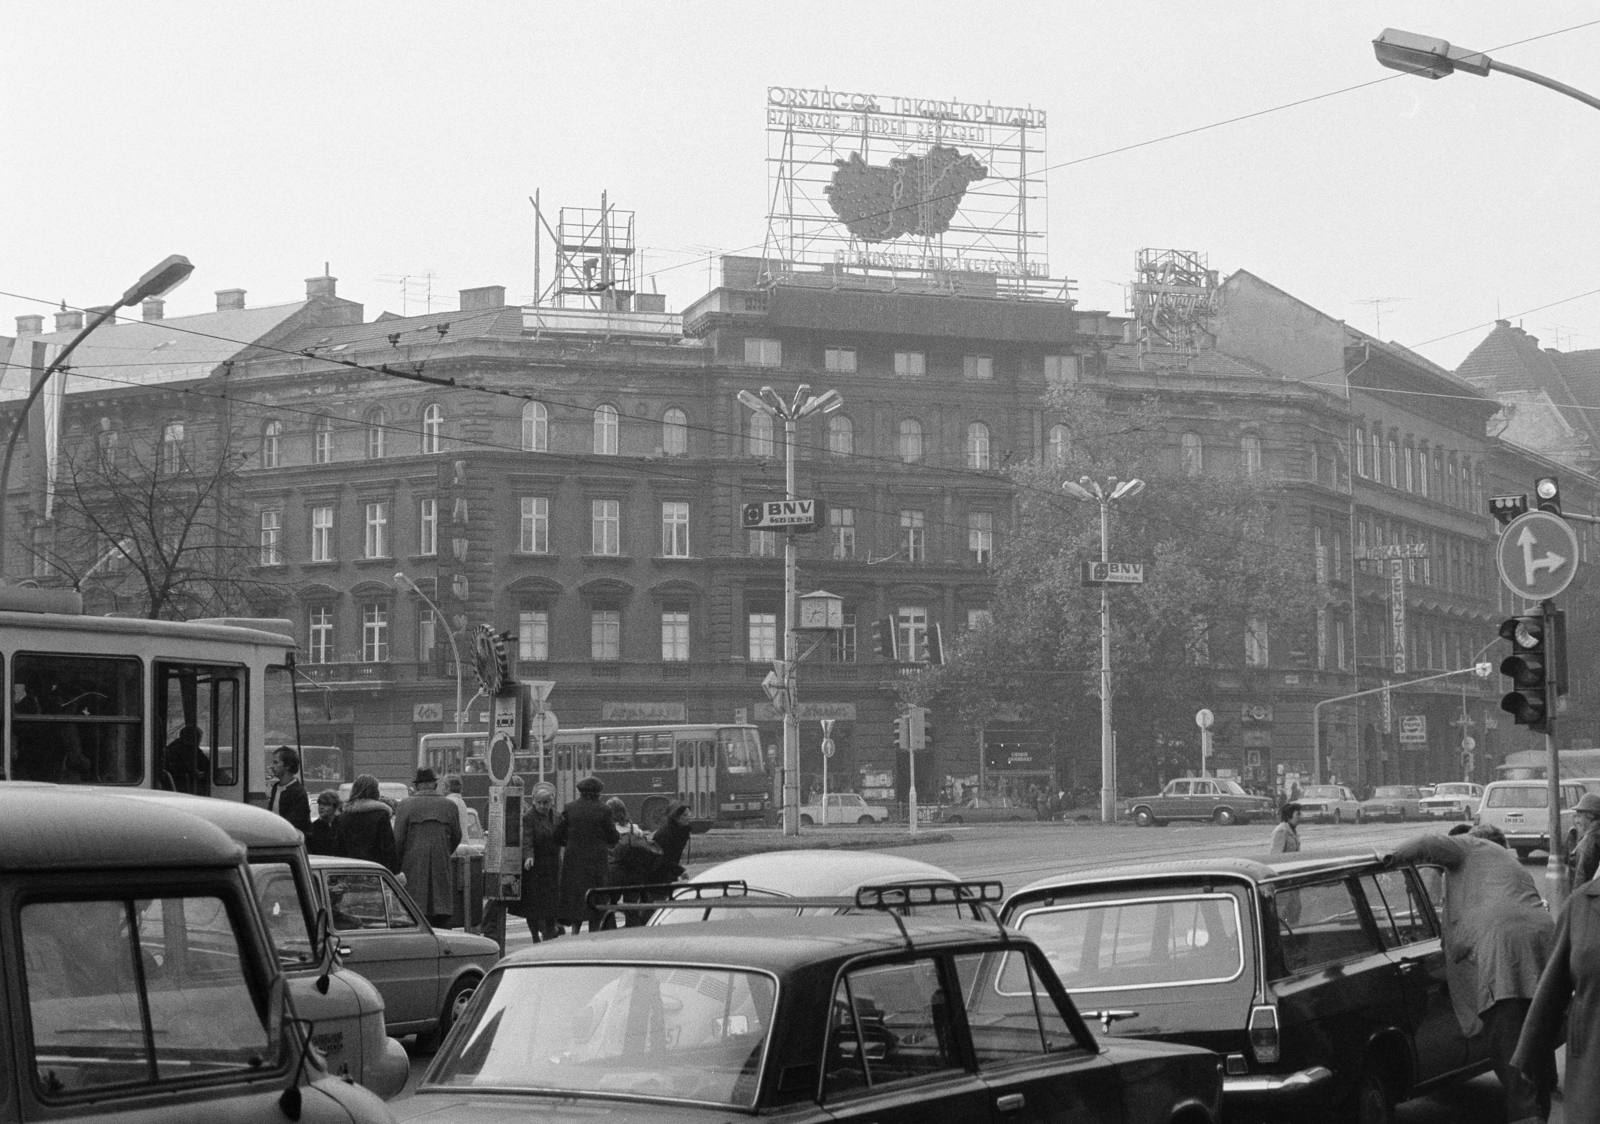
841 436
1194 458
322 440
1059 446
605 431
911 441
675 433
758 440
172 447
535 428
977 446
433 428
376 423
271 443
1250 453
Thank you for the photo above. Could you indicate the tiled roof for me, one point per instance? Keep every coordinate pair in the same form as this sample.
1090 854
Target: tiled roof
1509 363
413 331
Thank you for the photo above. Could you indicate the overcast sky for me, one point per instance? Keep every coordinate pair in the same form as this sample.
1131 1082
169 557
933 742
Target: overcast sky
401 139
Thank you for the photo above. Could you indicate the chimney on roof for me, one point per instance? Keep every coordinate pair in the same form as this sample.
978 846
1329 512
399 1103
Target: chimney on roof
1502 323
153 308
69 320
30 325
229 300
320 287
486 296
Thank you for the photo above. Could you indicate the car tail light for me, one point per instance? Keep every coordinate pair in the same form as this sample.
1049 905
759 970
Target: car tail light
1264 1033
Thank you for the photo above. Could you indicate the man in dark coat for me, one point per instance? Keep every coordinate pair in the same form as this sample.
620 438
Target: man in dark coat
588 833
427 829
287 796
363 829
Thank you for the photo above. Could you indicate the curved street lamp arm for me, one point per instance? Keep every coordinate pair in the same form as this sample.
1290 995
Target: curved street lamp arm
1548 83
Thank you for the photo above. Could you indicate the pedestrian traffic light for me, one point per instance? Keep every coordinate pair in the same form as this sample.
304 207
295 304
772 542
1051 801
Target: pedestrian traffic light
1547 493
884 639
1529 701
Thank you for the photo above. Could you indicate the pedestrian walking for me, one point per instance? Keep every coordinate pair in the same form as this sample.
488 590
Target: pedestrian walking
287 794
586 830
1497 939
1586 852
635 860
539 904
1286 836
363 829
321 838
672 837
1567 1002
427 829
451 784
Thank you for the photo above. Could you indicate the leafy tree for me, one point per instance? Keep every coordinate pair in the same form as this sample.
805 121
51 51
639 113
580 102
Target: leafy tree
1217 554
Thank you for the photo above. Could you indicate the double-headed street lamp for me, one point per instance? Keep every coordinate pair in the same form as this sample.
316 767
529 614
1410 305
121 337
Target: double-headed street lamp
802 405
404 582
1091 492
1433 58
163 278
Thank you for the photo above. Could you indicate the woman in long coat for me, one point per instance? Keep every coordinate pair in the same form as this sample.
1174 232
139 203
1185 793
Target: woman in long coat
1568 999
363 830
539 905
588 833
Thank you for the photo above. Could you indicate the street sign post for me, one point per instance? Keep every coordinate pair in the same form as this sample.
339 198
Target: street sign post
1113 573
1537 555
542 725
1204 719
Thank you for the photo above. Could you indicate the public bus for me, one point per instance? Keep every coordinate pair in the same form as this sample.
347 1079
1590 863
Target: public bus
177 705
715 768
1534 764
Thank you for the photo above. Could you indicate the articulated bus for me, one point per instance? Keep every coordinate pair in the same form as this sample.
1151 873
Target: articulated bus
177 705
714 768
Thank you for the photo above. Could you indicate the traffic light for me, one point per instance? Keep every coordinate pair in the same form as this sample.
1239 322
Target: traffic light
1547 493
916 719
885 641
902 731
1529 701
927 731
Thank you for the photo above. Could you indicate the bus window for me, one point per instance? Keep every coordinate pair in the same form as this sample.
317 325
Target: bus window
741 752
708 755
77 719
197 722
616 751
655 751
322 766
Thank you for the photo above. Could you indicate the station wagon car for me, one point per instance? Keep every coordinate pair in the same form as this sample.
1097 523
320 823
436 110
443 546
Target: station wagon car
1320 976
1521 809
1452 800
861 1018
1392 802
1328 803
143 985
989 809
1217 799
800 873
425 975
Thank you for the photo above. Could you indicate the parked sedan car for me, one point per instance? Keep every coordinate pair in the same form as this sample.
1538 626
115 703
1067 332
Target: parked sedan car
425 975
1328 803
858 1018
1453 800
988 809
843 807
803 873
1218 799
1319 975
1392 802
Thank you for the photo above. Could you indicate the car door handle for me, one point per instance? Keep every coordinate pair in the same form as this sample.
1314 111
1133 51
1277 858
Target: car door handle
1011 1102
346 952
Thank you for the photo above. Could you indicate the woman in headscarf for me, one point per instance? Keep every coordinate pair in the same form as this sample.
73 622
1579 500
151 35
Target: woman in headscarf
363 830
540 903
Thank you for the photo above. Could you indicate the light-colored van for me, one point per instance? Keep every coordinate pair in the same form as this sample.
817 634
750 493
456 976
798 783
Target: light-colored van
1521 810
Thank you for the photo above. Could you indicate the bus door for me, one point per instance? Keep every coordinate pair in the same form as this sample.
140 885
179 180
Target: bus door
198 729
697 774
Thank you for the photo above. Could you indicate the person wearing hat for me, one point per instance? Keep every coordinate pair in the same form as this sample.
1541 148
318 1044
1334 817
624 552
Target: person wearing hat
1586 851
427 829
588 833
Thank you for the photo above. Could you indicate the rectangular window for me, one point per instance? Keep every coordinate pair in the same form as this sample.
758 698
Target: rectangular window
77 718
674 635
377 545
533 528
763 353
271 537
605 517
1322 639
980 537
319 639
1339 645
427 635
977 366
375 632
322 534
674 530
844 641
841 359
763 544
533 631
1320 925
605 634
1060 368
1319 554
762 633
428 527
1255 643
912 623
1361 452
842 533
910 363
913 536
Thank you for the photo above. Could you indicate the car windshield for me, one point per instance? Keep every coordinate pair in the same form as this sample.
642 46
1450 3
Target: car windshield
283 911
1392 790
1232 788
1320 792
1453 790
1111 945
660 1031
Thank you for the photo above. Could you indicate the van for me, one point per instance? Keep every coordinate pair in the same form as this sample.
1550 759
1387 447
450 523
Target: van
138 978
1521 809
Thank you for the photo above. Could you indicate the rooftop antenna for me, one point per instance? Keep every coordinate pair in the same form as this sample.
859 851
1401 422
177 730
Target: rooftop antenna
1377 304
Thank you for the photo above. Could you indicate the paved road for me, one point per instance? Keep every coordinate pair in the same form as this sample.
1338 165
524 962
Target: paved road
1020 853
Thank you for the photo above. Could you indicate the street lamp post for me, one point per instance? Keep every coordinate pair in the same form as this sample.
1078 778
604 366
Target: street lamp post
1433 58
163 278
1090 491
802 405
404 581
